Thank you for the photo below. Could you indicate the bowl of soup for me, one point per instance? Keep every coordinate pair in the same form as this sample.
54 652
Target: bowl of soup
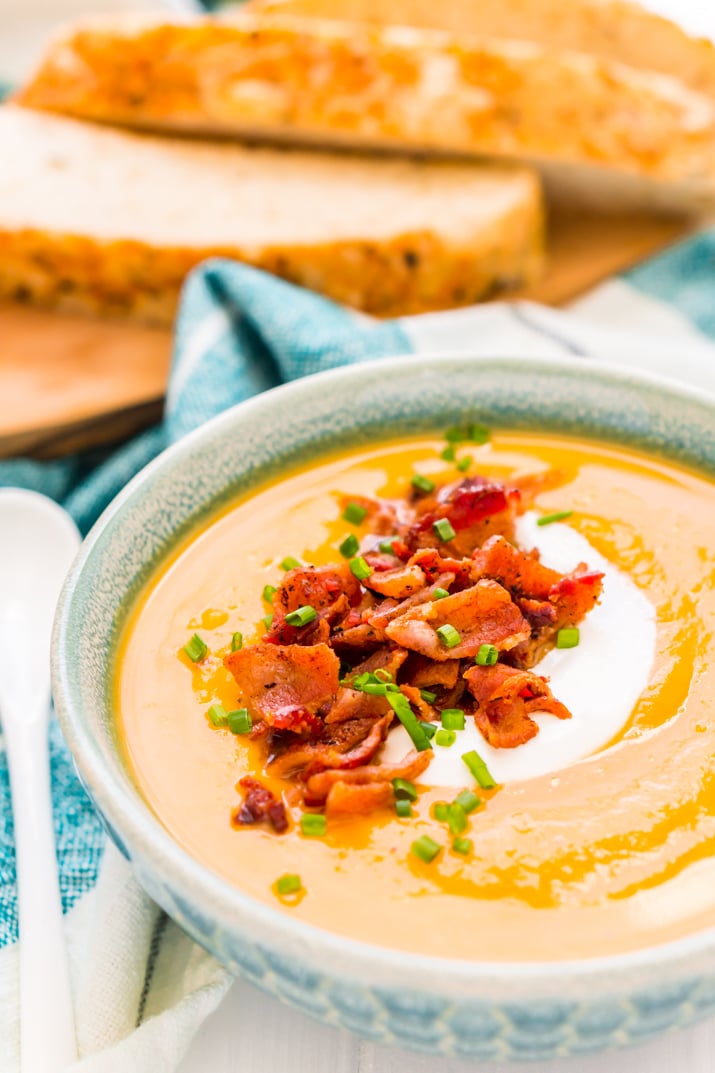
395 685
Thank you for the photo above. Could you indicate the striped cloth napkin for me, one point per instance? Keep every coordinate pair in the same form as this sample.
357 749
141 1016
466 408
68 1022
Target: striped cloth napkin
142 988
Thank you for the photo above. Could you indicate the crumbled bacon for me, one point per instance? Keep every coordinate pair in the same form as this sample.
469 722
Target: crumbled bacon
331 591
410 767
506 699
476 508
353 703
260 803
398 583
343 746
351 799
278 681
429 672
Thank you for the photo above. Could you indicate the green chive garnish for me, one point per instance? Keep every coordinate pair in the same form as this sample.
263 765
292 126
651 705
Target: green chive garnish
302 616
462 845
468 801
439 811
486 656
456 819
557 516
455 435
477 433
448 635
453 719
313 824
445 738
405 789
422 484
354 513
425 848
290 563
218 715
448 454
239 721
383 675
439 594
196 649
430 729
568 637
349 546
288 884
360 568
464 464
267 620
430 698
386 546
269 592
479 769
401 707
403 808
237 642
443 529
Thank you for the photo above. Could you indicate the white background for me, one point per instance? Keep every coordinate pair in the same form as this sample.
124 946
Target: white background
252 1033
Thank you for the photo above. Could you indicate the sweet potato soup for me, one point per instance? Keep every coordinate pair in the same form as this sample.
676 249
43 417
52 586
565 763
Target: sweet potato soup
450 695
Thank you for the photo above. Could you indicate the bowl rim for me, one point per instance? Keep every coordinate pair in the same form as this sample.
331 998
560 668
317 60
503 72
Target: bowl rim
141 828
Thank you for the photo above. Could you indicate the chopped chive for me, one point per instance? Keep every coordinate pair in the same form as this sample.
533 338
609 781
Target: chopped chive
379 689
464 464
463 846
218 715
557 516
268 593
448 635
453 719
401 707
237 642
439 811
405 789
430 729
445 738
422 484
439 594
290 563
302 616
386 546
479 769
196 649
486 656
468 800
354 513
477 433
313 824
425 848
288 884
349 546
239 721
360 568
455 435
569 637
267 620
448 454
403 808
430 698
444 530
383 675
456 819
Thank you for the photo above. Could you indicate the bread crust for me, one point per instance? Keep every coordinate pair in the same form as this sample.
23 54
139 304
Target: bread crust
379 87
50 257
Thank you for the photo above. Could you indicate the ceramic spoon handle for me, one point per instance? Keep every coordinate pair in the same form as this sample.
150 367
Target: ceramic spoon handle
47 1037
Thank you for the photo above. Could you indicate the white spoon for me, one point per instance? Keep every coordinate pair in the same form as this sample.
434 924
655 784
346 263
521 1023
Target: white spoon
38 541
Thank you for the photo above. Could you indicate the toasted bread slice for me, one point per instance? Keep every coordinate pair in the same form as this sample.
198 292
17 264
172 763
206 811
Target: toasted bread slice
615 30
111 222
371 87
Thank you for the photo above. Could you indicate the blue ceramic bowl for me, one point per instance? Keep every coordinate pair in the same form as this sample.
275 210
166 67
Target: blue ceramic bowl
483 1011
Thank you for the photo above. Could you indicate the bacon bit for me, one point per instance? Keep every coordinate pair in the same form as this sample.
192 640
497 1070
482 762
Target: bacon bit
410 767
297 720
519 571
425 710
380 561
260 803
540 614
398 583
507 697
427 672
575 595
391 609
366 635
476 508
332 591
401 550
350 744
383 516
353 703
277 680
348 799
484 614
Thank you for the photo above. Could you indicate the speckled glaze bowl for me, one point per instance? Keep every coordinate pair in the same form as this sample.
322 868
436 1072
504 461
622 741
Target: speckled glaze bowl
482 1011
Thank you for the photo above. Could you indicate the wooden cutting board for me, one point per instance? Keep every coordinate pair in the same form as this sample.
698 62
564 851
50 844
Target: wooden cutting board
68 382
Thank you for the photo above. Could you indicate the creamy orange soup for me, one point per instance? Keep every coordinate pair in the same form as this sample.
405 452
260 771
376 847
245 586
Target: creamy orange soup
611 853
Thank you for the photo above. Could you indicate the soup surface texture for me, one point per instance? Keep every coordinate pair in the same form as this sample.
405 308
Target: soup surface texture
600 835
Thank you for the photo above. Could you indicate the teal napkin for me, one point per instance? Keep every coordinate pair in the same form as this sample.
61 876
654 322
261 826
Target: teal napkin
239 332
